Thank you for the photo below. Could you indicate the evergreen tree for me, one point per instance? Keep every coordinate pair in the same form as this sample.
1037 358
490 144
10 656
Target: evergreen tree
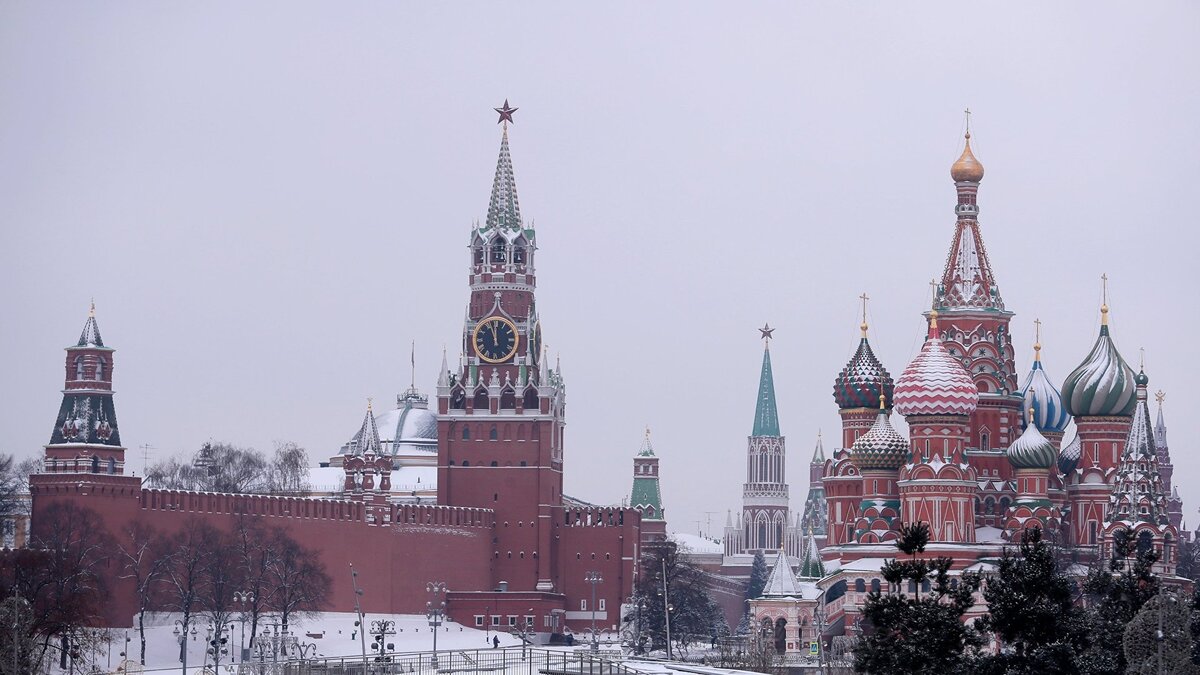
1116 593
918 634
1142 644
758 577
694 614
1032 613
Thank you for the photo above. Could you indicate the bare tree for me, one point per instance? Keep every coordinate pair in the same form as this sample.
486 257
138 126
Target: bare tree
60 577
256 554
216 467
144 557
299 580
289 470
222 577
10 487
192 548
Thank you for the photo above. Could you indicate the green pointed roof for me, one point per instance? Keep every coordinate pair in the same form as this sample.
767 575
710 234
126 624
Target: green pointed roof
812 568
645 496
766 415
504 211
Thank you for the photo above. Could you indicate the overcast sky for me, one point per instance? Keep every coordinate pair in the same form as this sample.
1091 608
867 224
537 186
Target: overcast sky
270 201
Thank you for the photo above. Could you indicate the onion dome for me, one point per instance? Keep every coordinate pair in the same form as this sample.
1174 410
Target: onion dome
882 447
1043 398
935 383
967 168
1068 459
1103 385
863 380
1031 450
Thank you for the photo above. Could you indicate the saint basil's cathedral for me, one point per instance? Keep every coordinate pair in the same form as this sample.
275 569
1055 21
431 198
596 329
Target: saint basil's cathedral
984 458
479 479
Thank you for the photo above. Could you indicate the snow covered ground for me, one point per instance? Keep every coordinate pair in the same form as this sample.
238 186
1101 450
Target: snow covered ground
325 635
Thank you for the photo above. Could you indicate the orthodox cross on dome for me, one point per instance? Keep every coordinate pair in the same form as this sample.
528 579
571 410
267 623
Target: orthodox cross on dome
967 112
506 114
766 331
1037 339
1104 299
1141 358
864 297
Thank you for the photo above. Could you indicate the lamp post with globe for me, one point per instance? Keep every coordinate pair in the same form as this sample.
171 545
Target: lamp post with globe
594 579
244 601
181 634
435 609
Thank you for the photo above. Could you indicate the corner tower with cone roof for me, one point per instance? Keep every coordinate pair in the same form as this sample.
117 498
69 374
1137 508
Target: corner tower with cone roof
501 413
646 495
765 524
86 438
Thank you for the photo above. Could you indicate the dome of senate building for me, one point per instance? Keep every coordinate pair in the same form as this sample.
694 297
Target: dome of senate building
408 429
1049 414
967 168
1032 451
1103 385
864 378
882 447
935 383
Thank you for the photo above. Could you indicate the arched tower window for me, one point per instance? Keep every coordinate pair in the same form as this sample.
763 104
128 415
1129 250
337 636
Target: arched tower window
508 399
100 364
531 399
481 399
519 251
79 367
499 250
477 251
466 433
112 465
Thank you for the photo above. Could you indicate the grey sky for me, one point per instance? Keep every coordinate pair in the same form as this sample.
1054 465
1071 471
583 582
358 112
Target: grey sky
269 202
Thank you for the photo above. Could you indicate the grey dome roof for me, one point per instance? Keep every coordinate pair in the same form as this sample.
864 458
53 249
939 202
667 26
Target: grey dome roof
411 427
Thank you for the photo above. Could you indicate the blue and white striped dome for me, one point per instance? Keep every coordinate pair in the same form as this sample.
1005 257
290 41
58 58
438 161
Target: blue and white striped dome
1049 414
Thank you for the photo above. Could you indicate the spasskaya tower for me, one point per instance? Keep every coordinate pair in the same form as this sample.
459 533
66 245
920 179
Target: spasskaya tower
500 412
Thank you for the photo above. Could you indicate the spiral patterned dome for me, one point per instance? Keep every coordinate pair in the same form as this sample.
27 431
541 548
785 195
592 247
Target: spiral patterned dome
858 385
1048 411
935 383
1031 450
1068 459
1103 385
882 447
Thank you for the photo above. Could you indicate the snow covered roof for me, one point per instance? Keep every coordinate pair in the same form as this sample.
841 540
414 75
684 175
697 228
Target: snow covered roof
782 581
989 535
935 383
696 543
865 565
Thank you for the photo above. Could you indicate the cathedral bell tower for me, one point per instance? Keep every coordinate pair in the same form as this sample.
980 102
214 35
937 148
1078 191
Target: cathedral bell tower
500 413
85 438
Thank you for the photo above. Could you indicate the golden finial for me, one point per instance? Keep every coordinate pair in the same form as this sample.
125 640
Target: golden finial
1159 396
1030 418
1037 340
1142 358
967 112
1104 299
863 326
92 311
967 168
882 401
370 401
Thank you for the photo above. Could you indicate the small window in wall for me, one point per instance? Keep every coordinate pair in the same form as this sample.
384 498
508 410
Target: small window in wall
583 605
478 620
600 605
466 433
492 434
496 620
529 620
512 620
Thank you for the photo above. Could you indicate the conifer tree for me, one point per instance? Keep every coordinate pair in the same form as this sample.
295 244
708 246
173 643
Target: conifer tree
1032 613
918 634
1116 592
758 576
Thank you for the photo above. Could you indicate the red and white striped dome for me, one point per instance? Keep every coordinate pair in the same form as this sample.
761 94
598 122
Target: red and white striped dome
935 383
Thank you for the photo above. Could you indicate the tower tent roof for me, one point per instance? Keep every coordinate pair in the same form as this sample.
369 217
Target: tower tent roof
504 209
90 336
782 581
812 567
766 414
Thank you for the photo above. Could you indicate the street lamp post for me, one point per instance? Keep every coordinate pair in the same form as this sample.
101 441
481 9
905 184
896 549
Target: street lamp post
244 601
641 607
435 609
666 607
181 634
380 629
594 579
362 635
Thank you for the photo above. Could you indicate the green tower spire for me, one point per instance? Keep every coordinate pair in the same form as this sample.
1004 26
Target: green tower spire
766 415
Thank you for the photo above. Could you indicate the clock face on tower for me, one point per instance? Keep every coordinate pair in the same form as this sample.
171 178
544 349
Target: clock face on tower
495 339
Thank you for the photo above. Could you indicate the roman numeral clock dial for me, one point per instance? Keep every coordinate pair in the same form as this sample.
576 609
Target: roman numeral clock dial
495 339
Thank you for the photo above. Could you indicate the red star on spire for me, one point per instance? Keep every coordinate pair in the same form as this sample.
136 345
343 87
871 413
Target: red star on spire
506 112
766 331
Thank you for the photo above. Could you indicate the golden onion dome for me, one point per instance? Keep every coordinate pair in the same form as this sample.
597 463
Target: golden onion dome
967 168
